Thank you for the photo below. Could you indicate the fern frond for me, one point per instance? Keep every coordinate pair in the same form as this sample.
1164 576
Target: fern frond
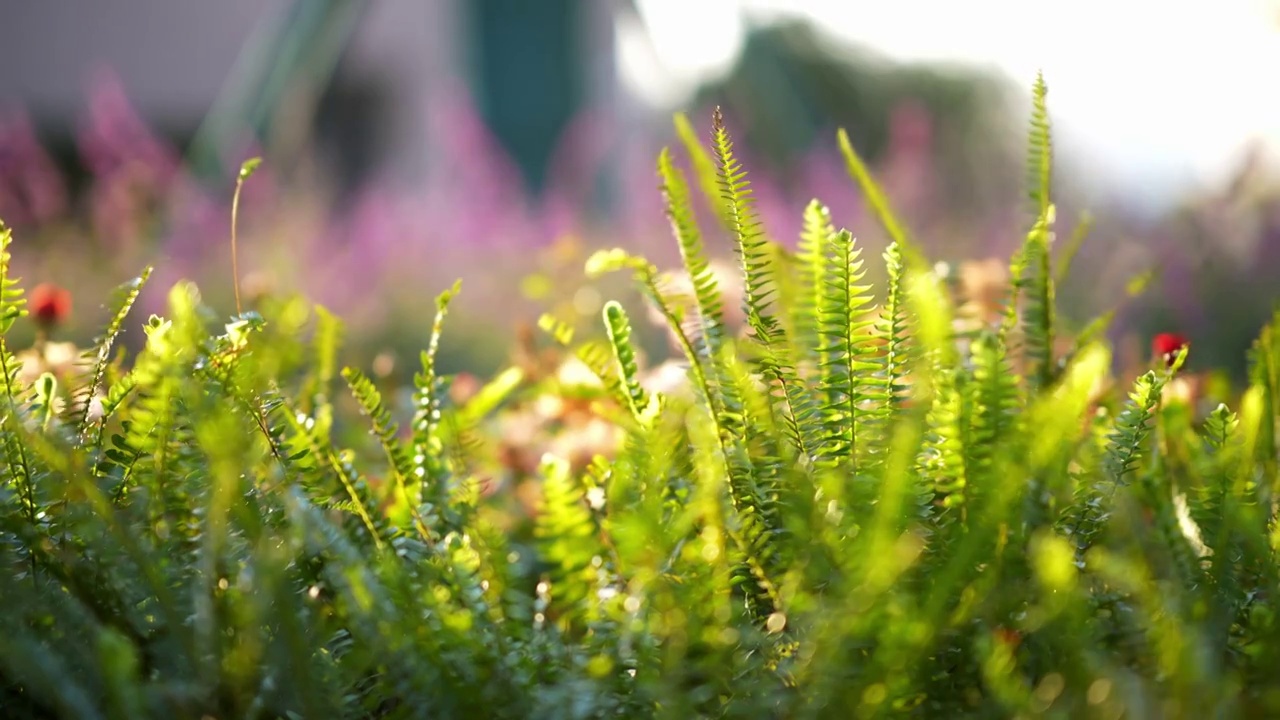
704 170
940 387
155 436
12 303
846 339
306 435
1132 427
400 467
943 459
1219 506
12 307
728 408
597 354
428 466
126 296
490 396
710 330
750 243
996 403
561 331
119 391
1039 149
567 535
759 263
325 341
888 388
1031 267
646 276
618 327
744 524
811 256
1041 322
228 362
18 471
382 426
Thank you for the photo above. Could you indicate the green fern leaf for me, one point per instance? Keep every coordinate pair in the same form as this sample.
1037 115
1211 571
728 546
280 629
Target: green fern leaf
428 466
996 404
751 245
887 389
12 307
403 489
12 303
325 341
1039 149
709 334
324 465
567 536
558 329
704 170
126 296
943 459
846 345
811 255
759 263
618 327
1041 300
1132 426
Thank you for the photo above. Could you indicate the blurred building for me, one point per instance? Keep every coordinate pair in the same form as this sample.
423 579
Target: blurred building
356 78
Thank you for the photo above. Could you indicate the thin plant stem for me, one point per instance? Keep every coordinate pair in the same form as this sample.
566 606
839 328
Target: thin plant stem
246 170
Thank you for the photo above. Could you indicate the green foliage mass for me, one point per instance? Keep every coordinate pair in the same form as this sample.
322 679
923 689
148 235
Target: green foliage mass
857 510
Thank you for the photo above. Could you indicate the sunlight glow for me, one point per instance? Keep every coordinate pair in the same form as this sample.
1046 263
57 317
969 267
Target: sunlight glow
678 45
1157 91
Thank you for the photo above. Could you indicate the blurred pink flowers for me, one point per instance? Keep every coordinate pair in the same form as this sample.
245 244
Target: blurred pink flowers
379 256
32 191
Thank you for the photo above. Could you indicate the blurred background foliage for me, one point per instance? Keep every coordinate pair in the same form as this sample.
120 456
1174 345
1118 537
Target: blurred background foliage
408 144
793 83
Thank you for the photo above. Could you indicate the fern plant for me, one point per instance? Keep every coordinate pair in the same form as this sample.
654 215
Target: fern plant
854 509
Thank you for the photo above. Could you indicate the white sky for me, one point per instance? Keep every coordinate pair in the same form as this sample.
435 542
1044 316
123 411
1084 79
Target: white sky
1164 93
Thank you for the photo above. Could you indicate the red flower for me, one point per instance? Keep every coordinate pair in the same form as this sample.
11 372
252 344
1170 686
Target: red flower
1008 637
50 304
1166 346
